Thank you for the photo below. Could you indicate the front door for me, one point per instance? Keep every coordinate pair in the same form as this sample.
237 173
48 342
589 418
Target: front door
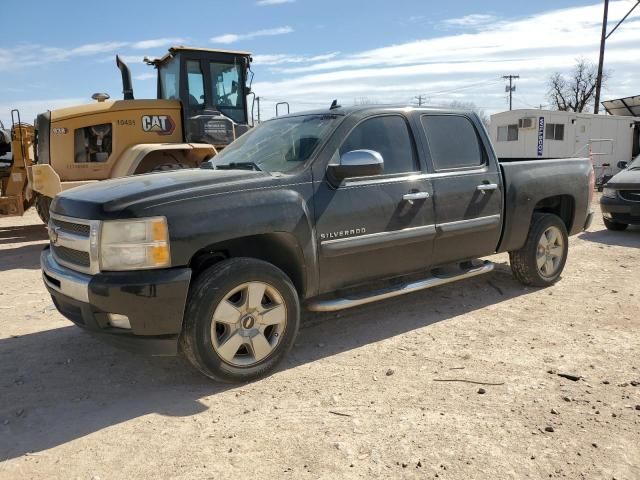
467 188
379 226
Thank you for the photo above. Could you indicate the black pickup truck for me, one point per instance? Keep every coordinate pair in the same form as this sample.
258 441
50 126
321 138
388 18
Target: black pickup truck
324 210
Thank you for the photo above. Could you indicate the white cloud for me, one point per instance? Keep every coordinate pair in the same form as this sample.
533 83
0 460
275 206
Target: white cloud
472 20
466 66
29 109
281 58
158 42
30 55
266 3
234 37
146 76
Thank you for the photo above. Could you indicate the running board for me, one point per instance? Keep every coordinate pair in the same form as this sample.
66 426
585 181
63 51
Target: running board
339 303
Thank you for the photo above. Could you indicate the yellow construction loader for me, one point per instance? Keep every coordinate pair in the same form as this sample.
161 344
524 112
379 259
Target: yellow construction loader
201 107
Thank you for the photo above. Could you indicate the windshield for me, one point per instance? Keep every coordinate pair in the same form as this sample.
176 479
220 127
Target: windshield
278 145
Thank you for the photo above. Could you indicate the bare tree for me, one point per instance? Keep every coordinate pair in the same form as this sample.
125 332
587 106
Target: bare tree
575 92
473 107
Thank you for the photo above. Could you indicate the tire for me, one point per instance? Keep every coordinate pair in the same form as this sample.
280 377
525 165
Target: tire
551 251
611 225
42 204
234 350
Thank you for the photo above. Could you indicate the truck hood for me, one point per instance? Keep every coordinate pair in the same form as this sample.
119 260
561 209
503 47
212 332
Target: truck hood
123 197
626 179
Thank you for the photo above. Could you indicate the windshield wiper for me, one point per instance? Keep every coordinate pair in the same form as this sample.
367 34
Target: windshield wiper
239 166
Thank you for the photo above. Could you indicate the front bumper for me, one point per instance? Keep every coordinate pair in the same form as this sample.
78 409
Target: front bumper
620 210
153 300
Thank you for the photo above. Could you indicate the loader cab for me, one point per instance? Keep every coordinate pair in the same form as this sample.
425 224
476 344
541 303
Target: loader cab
212 87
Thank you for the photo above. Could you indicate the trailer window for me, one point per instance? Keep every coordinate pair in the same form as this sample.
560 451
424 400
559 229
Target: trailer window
508 133
554 131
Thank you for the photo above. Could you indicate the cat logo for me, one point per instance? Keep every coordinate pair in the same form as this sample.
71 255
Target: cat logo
160 124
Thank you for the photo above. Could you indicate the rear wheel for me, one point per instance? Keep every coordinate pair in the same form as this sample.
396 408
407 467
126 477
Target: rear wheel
43 204
541 260
241 319
611 225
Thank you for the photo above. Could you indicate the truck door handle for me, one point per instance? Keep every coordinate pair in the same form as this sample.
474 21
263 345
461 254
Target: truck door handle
484 187
410 197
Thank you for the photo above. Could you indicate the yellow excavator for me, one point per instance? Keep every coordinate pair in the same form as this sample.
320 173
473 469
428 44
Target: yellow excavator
201 107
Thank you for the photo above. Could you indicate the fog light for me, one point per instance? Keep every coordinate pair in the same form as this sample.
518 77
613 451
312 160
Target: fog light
607 215
119 321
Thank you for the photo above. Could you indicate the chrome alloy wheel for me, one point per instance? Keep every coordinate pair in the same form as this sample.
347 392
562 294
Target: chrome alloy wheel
550 252
248 324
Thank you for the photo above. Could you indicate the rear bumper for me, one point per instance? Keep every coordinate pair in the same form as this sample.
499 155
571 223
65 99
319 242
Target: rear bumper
620 211
153 300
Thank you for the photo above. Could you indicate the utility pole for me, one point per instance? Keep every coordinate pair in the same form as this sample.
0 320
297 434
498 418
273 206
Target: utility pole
511 88
603 39
258 102
419 98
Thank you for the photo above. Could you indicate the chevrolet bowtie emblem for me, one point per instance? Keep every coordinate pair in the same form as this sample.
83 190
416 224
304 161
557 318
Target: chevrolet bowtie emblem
53 235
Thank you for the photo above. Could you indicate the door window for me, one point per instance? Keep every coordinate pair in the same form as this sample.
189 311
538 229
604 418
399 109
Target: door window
390 137
453 142
195 83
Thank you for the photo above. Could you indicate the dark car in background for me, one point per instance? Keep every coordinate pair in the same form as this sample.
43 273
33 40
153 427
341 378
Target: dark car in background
620 201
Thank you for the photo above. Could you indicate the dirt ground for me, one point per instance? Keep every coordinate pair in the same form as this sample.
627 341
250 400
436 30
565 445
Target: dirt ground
358 396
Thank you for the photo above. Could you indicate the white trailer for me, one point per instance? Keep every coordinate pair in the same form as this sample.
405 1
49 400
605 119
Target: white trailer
532 133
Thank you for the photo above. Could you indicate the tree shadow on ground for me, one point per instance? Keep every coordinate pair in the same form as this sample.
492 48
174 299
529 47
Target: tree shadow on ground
62 384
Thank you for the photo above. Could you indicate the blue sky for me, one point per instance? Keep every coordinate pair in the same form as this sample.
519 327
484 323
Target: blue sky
308 51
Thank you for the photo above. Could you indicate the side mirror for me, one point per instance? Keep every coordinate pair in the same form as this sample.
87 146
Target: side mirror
622 164
358 163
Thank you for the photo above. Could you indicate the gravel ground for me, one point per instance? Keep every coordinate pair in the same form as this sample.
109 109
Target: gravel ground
358 396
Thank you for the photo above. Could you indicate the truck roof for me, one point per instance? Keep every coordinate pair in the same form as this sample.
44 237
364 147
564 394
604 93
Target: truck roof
348 110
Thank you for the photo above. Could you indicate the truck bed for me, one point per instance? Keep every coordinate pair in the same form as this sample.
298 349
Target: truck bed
526 180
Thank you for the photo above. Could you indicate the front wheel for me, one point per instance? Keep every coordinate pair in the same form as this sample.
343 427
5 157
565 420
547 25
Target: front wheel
611 225
541 260
241 319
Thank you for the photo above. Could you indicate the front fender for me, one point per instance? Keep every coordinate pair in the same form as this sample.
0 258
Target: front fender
201 222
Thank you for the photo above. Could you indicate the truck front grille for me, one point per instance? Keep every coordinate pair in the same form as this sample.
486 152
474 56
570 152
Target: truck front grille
78 228
75 257
73 242
630 195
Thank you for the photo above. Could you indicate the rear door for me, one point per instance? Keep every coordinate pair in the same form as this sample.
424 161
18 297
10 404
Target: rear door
467 187
368 227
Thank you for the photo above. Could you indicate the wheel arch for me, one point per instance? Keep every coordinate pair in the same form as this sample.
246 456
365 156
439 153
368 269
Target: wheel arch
563 206
280 249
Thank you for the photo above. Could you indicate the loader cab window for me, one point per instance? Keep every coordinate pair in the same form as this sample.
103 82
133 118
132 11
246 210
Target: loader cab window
227 94
170 79
195 84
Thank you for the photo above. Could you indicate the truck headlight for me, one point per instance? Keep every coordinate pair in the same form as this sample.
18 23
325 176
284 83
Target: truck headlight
134 244
609 192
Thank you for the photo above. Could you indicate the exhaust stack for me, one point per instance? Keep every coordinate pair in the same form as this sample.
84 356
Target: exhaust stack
127 87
